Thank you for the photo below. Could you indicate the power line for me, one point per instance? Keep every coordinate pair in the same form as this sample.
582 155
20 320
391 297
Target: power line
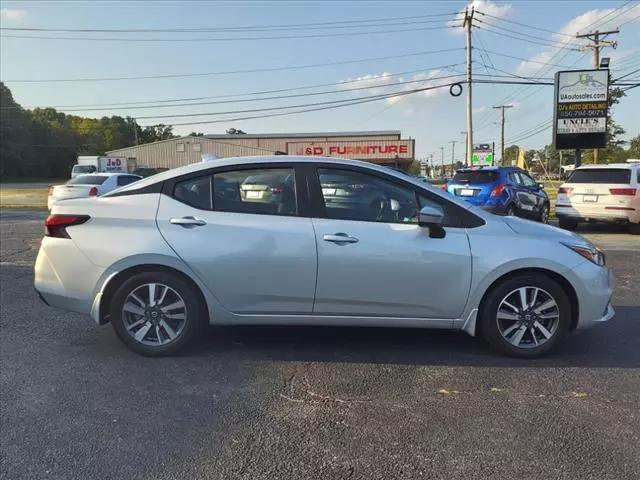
534 42
246 27
233 72
501 28
523 24
277 97
378 23
104 106
227 39
315 109
526 59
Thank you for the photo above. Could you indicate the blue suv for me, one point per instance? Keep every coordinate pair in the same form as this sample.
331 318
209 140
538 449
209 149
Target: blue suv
501 190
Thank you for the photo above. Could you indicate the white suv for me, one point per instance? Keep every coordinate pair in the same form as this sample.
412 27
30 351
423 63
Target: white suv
601 193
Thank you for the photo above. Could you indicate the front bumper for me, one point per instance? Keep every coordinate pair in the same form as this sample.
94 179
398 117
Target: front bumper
594 288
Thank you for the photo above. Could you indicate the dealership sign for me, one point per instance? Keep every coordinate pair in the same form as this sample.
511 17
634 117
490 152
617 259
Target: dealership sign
482 154
581 108
359 150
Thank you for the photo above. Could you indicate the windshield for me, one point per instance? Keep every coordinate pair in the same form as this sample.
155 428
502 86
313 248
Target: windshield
88 180
600 175
473 177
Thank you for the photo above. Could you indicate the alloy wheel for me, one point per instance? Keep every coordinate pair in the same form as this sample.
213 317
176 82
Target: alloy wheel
154 314
528 317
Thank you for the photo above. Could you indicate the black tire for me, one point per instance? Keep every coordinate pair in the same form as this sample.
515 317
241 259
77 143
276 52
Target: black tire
634 228
544 214
568 224
195 310
488 314
511 211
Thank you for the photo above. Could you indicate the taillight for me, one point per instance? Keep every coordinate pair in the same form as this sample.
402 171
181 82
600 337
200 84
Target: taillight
93 192
444 187
277 189
55 225
565 190
497 190
622 191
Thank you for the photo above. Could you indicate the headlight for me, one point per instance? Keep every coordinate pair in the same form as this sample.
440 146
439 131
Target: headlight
590 252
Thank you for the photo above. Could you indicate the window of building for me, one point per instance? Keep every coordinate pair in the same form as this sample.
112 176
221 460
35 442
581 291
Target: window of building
179 147
195 147
268 191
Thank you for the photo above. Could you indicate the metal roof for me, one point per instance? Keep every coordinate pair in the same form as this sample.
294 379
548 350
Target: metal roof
373 133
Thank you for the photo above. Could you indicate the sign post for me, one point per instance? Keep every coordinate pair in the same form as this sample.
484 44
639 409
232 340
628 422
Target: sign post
580 109
483 154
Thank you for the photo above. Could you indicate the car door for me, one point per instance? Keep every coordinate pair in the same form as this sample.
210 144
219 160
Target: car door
374 259
535 194
254 253
525 201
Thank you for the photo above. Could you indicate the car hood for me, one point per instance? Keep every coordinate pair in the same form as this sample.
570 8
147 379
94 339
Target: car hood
543 231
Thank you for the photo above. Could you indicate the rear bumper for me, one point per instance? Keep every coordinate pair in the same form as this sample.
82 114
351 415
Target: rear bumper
600 214
64 277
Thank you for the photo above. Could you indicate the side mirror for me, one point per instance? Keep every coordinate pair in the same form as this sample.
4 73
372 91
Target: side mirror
432 218
541 186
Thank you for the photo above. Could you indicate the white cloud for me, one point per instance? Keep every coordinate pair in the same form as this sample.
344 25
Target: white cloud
12 13
581 24
484 6
376 83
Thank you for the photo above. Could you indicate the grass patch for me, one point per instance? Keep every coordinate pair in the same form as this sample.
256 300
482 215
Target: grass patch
23 197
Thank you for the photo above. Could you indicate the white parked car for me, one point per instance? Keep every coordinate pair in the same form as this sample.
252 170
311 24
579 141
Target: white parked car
89 186
163 257
601 193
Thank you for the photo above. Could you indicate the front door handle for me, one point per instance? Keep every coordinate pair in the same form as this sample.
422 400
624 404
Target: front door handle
187 222
340 238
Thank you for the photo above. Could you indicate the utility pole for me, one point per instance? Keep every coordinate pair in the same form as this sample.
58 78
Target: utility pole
453 151
442 159
598 39
466 147
502 107
468 24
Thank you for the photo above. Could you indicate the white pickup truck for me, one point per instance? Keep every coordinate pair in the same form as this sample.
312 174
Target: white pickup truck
97 164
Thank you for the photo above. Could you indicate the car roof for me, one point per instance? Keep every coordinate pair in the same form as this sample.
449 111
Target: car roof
487 168
609 165
107 174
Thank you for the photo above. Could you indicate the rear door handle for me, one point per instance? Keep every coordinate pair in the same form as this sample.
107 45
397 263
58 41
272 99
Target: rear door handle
187 221
339 238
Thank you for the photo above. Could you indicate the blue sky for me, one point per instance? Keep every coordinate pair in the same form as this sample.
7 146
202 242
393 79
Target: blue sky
433 118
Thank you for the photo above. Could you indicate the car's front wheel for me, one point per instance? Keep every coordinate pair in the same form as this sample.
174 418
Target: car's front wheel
544 214
526 315
157 313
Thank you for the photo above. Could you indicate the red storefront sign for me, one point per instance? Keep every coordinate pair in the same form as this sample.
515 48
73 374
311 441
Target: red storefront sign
364 150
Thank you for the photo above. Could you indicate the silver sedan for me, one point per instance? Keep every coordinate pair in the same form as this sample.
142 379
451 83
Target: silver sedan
164 257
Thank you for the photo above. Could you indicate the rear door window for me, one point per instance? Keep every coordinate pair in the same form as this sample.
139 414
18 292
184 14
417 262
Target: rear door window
601 175
195 192
475 177
267 191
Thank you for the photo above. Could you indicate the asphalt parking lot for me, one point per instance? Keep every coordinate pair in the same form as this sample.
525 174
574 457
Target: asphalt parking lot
297 403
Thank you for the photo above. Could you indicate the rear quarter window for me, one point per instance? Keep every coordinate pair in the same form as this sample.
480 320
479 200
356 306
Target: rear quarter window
601 175
88 180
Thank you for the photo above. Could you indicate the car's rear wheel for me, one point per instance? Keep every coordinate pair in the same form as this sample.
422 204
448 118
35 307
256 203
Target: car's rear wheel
511 211
157 313
568 224
526 315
